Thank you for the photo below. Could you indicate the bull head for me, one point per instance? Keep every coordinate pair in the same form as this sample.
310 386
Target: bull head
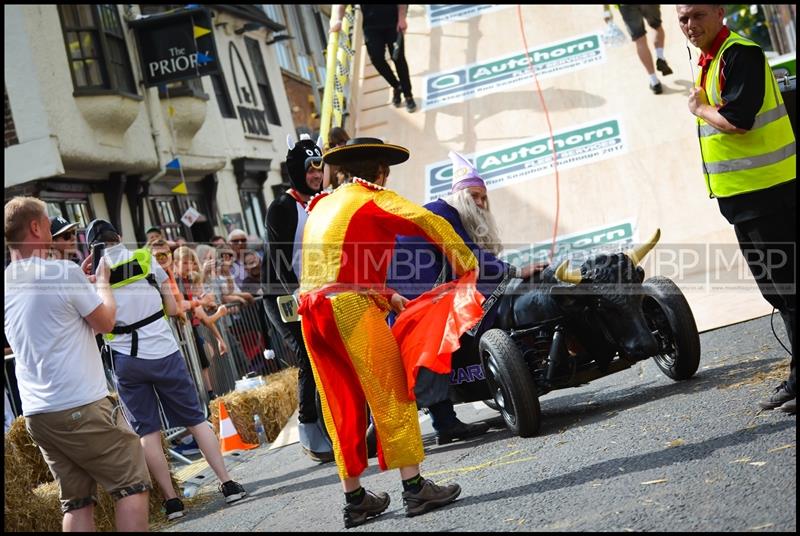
637 254
566 274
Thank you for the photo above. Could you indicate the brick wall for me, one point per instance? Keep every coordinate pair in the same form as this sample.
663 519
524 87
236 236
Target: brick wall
301 103
11 132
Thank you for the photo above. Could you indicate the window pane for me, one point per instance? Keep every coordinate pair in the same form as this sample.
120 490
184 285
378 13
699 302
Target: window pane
73 45
88 45
259 217
285 56
223 99
70 14
111 19
248 213
80 74
95 77
53 209
85 18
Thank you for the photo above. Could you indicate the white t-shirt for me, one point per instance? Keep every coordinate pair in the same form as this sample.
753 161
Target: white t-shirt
136 302
58 365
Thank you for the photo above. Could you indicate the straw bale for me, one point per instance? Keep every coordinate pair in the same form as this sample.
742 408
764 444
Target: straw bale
28 463
38 509
274 402
18 495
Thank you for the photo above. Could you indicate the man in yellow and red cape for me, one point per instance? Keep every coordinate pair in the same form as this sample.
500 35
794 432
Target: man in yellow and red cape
347 248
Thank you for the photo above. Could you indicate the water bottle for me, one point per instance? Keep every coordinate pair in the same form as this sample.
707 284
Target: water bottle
262 436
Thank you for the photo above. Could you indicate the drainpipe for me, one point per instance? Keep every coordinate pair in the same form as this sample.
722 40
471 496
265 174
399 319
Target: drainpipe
152 101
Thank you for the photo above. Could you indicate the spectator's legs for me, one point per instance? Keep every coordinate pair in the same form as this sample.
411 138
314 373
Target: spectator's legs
377 43
157 463
209 446
644 54
402 69
659 42
80 520
131 513
207 380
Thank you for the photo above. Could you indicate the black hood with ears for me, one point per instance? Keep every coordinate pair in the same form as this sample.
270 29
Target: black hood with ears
302 154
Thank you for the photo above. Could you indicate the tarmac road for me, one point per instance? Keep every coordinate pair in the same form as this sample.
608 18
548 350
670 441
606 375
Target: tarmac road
634 451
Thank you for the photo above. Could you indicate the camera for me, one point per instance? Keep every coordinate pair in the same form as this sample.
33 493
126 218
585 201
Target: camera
98 248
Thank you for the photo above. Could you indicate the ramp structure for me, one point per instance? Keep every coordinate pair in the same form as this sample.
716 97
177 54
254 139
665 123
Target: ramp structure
628 161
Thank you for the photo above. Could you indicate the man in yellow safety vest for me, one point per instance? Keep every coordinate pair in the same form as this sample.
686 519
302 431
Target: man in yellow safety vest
748 149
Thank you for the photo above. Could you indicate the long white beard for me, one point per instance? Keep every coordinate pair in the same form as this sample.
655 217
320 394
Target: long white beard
479 223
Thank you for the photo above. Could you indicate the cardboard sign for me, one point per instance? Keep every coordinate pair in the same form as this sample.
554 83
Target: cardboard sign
190 216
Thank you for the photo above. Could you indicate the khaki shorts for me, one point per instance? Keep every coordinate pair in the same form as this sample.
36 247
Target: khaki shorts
90 445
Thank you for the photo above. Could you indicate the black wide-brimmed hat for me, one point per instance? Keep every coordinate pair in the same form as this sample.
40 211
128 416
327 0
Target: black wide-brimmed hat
361 149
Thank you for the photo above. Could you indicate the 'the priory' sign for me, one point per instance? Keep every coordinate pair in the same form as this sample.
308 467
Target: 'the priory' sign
176 46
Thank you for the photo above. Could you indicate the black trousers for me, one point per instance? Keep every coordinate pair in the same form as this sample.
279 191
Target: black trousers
292 335
378 41
769 245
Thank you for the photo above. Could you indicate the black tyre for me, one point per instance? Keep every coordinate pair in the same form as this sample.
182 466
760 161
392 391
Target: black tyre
492 404
668 313
510 382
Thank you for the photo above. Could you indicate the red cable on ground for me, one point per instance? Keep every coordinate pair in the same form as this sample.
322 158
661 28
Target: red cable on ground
549 127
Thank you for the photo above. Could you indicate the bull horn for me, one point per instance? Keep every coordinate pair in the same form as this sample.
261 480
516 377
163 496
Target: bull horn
565 274
636 254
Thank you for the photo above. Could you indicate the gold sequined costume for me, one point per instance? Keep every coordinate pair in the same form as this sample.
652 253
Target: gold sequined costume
347 249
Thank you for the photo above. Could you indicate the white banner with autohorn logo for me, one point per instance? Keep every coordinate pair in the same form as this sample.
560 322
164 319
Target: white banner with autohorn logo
439 14
576 246
531 158
552 59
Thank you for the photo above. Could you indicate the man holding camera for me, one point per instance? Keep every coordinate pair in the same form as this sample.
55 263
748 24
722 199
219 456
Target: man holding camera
68 412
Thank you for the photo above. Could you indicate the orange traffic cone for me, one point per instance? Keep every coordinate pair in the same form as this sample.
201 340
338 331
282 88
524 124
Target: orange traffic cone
229 438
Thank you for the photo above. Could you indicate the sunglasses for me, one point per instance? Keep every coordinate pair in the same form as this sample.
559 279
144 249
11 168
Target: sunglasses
66 236
237 240
162 256
230 255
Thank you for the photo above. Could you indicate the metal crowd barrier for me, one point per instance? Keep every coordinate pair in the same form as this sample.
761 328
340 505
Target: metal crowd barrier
247 332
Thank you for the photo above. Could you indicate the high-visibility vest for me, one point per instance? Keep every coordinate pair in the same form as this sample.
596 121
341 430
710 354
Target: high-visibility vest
762 157
129 271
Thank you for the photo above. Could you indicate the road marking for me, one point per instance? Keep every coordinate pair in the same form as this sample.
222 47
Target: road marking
497 462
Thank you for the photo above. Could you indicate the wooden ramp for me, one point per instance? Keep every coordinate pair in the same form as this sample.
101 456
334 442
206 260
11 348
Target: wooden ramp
629 160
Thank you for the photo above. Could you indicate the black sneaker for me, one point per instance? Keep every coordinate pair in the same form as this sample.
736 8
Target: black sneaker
662 66
173 508
232 490
397 97
410 104
430 496
789 407
657 89
461 431
781 395
372 505
319 457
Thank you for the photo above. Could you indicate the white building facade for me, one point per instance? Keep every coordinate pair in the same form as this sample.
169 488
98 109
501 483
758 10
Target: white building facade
85 135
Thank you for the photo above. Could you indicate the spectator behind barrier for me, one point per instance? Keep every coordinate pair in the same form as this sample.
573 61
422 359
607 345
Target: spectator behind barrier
225 284
191 286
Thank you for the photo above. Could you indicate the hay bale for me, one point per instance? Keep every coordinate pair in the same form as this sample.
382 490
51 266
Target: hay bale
28 462
274 403
38 509
17 496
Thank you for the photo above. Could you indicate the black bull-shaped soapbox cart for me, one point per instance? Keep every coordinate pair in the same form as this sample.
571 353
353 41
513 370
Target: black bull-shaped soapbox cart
567 327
